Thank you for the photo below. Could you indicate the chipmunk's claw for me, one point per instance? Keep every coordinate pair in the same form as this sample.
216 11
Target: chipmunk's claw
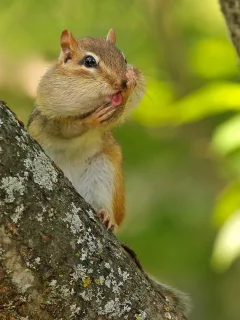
105 218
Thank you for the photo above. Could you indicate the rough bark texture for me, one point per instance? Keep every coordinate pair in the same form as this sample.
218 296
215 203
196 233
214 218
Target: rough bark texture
231 12
57 260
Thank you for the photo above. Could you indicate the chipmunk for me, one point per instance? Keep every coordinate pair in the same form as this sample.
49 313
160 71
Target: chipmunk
87 91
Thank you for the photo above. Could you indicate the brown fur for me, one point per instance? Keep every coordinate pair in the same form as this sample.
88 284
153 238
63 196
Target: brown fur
113 151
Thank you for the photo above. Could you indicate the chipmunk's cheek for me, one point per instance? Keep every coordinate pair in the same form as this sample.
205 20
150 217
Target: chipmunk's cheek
116 99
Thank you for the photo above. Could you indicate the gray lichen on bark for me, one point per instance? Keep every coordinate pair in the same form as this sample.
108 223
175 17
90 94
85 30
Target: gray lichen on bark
57 260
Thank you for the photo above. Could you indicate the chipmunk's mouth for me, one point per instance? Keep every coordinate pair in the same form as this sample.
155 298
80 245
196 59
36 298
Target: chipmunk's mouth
116 99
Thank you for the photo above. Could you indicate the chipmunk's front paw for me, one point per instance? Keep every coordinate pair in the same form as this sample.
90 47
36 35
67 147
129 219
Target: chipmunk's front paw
105 217
99 116
104 113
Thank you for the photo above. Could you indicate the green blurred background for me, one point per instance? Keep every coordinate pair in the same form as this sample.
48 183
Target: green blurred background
181 146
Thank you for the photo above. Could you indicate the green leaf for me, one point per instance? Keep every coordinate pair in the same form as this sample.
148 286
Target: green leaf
228 203
209 100
227 244
226 137
158 107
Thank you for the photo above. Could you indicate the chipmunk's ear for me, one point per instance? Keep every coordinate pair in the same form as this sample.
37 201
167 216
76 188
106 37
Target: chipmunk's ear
68 45
111 36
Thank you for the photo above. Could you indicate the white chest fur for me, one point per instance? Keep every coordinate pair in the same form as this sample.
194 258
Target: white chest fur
90 171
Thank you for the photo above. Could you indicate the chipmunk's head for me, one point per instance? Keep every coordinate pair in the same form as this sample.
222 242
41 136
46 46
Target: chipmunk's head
90 72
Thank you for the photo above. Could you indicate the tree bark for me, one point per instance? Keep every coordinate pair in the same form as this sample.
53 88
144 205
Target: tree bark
231 12
57 260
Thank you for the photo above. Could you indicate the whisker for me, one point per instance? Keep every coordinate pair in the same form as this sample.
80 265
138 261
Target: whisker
146 94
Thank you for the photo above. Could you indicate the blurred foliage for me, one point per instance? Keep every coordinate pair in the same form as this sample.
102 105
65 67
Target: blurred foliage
227 244
226 138
206 101
182 147
227 204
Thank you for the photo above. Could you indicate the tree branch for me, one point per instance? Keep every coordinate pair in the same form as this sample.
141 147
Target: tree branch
57 260
231 12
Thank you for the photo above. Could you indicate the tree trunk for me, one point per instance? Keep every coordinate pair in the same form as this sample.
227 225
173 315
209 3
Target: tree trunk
57 260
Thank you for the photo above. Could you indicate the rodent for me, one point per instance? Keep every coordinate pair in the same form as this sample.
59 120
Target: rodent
87 91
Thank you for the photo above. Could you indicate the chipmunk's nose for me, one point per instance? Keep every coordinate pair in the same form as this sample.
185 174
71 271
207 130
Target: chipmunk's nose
121 84
130 74
124 84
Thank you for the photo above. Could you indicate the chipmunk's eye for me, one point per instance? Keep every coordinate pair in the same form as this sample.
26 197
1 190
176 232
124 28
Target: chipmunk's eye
89 62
